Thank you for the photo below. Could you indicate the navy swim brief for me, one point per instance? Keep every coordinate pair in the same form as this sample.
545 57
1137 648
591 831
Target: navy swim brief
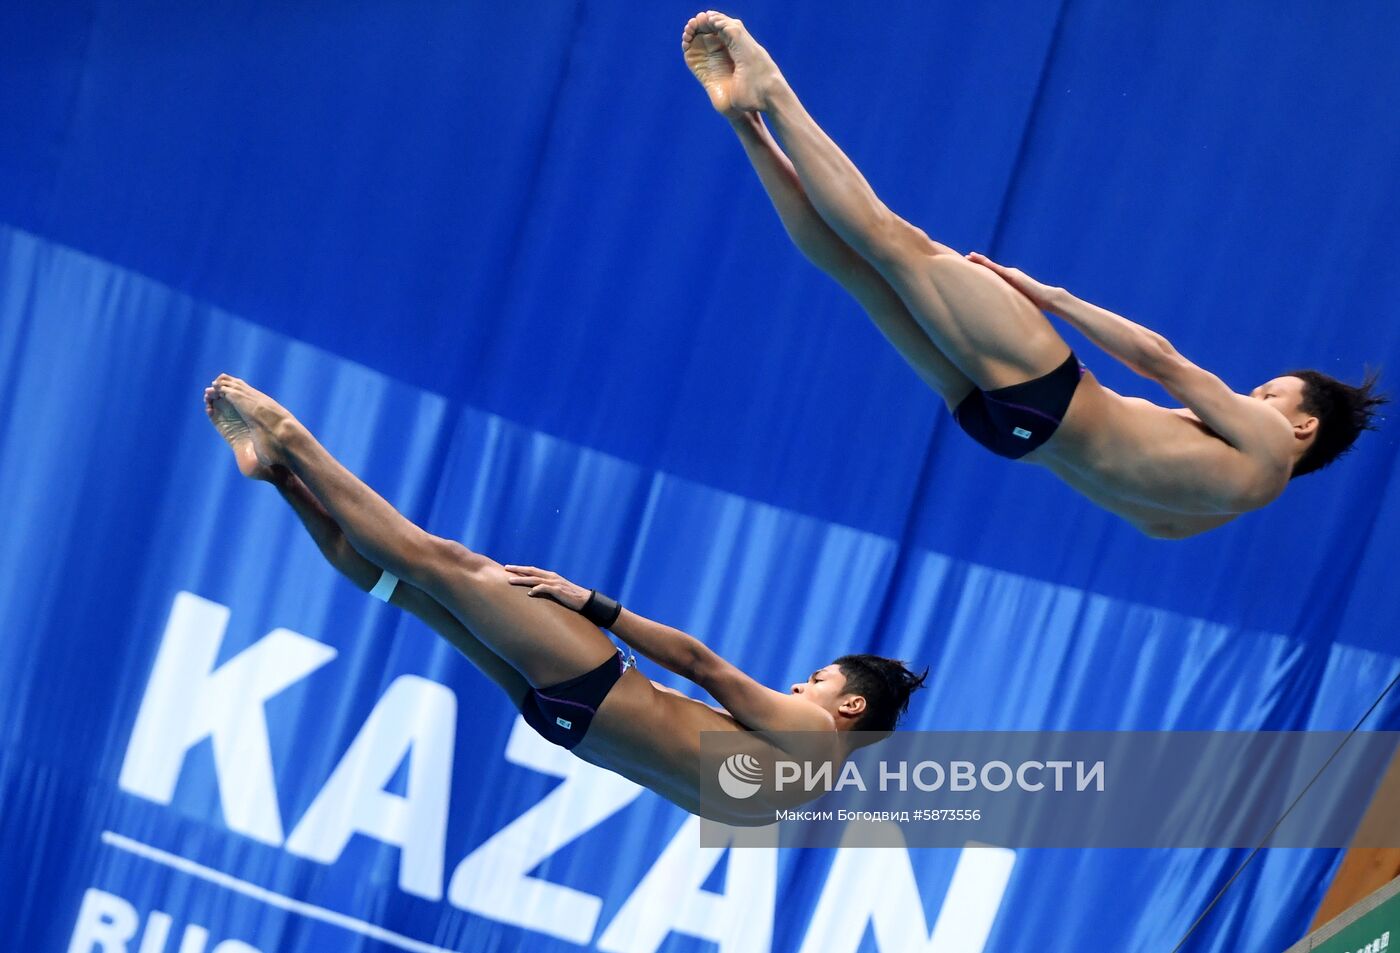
1013 421
562 713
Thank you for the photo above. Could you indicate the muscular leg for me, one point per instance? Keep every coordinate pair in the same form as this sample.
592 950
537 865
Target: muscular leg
329 539
709 61
543 641
987 329
825 249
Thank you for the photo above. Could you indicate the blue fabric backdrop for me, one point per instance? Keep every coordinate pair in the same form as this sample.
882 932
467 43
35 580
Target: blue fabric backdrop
511 268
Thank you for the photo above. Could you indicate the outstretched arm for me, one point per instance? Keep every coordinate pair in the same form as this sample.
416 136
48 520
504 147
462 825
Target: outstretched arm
1259 432
670 648
753 705
825 249
1142 349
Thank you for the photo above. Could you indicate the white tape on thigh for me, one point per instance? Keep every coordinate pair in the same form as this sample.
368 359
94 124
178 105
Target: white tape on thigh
384 589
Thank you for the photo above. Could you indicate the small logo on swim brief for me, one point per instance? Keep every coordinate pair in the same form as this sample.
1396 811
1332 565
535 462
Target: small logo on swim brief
740 776
563 723
1021 432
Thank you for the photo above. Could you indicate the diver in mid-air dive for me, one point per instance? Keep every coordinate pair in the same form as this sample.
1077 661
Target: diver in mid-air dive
539 638
973 330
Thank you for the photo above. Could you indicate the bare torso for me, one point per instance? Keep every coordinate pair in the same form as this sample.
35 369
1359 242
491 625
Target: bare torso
651 735
1155 467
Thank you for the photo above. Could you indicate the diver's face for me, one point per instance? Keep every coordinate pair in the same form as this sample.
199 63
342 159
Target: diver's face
824 687
1284 394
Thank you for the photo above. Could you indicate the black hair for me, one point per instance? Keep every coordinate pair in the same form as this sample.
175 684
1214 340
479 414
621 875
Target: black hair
886 685
1342 412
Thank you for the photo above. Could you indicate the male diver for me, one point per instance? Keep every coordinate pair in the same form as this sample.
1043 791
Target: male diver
539 638
973 330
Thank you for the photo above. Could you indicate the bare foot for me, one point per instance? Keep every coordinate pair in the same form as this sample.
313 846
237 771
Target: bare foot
267 421
710 63
737 73
234 429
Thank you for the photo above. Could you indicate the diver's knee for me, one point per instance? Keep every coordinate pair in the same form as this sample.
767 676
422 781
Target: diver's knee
443 560
898 243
